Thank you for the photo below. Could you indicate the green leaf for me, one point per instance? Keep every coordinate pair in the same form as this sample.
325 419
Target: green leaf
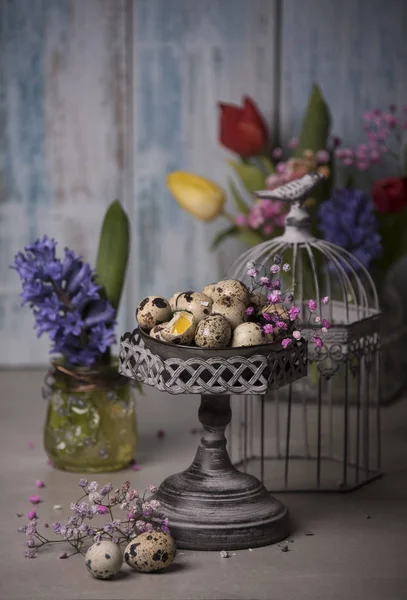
265 164
349 182
223 234
113 253
405 161
250 237
240 203
246 235
252 177
316 124
392 228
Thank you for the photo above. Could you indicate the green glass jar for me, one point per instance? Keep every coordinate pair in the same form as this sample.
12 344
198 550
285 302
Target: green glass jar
91 421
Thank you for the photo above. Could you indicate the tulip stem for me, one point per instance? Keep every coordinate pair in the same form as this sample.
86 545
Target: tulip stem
229 217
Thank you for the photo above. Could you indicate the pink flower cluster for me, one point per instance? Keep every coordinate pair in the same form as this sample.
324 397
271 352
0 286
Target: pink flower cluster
382 129
266 214
277 316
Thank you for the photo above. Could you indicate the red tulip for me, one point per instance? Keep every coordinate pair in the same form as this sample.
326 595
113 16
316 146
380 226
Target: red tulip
390 195
242 129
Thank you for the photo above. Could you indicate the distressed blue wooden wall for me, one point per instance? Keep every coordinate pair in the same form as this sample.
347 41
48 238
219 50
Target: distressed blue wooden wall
355 49
101 98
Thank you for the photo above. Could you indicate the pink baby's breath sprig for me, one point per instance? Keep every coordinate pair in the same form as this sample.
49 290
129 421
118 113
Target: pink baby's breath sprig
278 321
93 518
384 137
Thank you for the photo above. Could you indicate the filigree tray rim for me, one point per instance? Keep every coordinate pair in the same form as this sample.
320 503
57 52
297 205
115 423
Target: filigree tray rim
149 368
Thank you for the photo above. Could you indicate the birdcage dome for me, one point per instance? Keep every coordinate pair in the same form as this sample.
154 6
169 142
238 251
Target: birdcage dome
318 268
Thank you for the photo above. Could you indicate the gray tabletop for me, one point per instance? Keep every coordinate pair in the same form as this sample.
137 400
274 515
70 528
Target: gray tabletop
349 556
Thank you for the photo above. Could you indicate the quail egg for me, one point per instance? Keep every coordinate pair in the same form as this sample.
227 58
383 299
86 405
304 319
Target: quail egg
213 332
180 330
104 559
209 290
257 299
232 309
173 301
248 334
150 551
278 311
152 311
232 287
196 303
156 332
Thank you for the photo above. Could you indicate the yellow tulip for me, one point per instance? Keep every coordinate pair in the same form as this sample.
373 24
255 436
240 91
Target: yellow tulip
199 196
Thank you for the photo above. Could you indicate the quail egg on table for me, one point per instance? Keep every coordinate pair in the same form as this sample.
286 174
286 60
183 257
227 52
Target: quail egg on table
196 303
152 311
104 559
248 334
213 332
156 332
180 330
150 551
231 308
232 287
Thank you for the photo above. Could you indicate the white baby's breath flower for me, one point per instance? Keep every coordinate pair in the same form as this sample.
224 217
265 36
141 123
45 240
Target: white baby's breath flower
95 497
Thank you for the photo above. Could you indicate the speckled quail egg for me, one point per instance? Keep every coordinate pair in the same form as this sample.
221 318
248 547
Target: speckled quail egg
156 332
181 328
213 332
152 311
196 303
150 551
257 299
232 309
173 301
278 311
209 290
104 559
231 287
248 334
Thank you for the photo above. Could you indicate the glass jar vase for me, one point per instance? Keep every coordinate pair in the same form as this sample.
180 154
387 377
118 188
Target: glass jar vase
90 425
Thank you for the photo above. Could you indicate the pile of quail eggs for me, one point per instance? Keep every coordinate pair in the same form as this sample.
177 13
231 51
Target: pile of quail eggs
216 317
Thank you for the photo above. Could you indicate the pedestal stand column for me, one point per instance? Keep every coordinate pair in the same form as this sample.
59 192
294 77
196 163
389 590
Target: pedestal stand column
212 505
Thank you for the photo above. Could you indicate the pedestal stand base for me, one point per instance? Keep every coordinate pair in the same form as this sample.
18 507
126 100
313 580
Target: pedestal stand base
212 505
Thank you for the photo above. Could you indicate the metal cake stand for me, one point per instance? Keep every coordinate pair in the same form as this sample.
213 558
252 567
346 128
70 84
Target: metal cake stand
211 505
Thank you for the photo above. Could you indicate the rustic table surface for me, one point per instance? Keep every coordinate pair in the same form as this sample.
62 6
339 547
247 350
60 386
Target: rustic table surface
349 555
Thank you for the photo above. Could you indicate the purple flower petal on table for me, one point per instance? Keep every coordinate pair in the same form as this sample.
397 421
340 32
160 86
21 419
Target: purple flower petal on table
35 499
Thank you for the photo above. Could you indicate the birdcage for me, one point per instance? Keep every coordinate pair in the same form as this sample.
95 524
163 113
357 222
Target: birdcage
321 433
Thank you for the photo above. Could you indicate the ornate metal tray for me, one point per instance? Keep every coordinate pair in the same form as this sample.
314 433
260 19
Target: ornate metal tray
190 370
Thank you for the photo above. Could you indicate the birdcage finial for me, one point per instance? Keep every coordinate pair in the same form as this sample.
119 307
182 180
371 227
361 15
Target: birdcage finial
294 191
